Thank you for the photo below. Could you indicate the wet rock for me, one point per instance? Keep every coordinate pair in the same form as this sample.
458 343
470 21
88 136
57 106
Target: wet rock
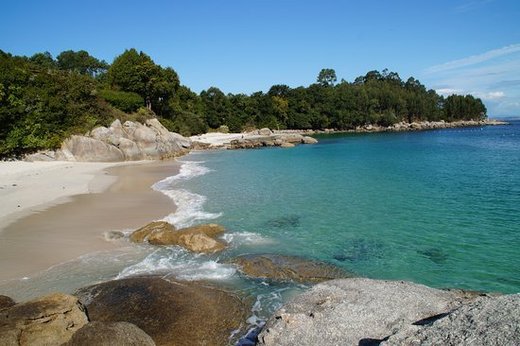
110 334
355 311
6 302
487 321
172 313
287 145
278 267
433 254
199 238
48 320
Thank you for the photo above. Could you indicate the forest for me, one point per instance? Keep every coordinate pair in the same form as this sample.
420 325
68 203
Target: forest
43 100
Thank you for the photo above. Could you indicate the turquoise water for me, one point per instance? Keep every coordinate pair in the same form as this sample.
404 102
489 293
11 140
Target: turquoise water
440 207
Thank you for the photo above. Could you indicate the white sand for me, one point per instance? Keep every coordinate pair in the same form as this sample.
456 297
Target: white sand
26 185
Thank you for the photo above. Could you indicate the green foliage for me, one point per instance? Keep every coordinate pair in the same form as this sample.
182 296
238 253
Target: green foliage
42 100
125 101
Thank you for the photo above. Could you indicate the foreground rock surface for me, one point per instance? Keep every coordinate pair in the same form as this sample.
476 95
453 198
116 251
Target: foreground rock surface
355 311
172 313
110 334
120 142
287 268
199 238
48 320
487 321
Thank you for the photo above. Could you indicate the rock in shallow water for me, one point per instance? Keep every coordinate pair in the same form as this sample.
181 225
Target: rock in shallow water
288 268
172 313
48 320
197 238
355 311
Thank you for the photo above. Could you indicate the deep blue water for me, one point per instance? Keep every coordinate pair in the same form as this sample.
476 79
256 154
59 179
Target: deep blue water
439 207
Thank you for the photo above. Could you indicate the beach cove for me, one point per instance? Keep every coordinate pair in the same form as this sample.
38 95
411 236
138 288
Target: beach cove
229 187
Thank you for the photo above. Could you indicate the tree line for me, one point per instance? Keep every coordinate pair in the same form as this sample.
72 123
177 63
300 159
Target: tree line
43 100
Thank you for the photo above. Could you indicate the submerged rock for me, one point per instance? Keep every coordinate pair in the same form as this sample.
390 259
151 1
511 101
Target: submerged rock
487 321
48 320
110 334
172 313
199 238
278 267
355 311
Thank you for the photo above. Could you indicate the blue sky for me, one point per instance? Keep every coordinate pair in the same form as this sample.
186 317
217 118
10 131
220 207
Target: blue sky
461 46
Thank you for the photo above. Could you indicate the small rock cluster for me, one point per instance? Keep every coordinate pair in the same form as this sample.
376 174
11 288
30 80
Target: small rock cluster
199 238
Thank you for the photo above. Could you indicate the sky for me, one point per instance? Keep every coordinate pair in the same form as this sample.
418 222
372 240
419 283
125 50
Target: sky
243 46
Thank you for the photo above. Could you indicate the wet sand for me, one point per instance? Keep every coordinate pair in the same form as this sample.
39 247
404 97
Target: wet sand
58 233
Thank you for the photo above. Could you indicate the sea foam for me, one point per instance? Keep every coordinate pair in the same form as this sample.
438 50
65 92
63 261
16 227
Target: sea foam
189 205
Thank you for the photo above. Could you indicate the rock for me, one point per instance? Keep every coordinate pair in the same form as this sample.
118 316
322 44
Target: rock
172 313
144 232
197 239
44 155
90 149
265 132
309 140
48 320
286 145
6 302
110 334
130 149
355 311
101 133
291 138
487 321
278 267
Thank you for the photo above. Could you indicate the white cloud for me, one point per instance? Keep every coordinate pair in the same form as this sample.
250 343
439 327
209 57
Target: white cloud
475 59
448 91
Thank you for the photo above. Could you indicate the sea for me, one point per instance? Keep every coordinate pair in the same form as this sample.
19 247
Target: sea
439 207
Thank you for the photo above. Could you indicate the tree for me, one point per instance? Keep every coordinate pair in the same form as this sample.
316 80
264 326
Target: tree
81 62
327 77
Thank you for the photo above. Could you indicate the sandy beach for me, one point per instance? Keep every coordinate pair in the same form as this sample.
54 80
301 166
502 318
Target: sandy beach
52 212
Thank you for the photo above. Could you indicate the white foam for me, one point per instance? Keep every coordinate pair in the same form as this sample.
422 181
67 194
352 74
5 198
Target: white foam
181 264
189 205
245 238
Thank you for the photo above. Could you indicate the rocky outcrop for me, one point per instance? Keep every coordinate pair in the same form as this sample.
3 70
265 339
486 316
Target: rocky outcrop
120 142
487 321
48 320
356 311
6 302
110 334
172 313
287 268
199 238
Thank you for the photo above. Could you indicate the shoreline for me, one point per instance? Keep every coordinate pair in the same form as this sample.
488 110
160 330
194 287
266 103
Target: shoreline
56 226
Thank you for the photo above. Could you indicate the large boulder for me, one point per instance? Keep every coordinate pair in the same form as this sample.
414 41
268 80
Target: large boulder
48 320
309 140
287 268
355 311
487 321
90 149
199 238
130 149
110 334
172 313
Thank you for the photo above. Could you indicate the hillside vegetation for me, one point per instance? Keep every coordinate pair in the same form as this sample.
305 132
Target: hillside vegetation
43 100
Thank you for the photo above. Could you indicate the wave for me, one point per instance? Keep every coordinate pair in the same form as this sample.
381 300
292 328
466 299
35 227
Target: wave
181 264
189 205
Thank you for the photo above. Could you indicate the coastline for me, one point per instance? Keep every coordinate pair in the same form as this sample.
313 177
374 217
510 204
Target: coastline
65 208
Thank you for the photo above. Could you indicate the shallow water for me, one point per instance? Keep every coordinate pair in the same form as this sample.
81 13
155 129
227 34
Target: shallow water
441 208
